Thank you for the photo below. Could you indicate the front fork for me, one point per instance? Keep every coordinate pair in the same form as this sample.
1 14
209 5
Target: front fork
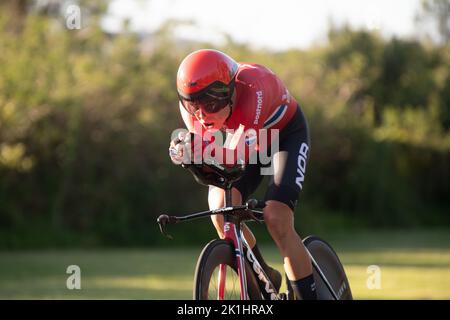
233 233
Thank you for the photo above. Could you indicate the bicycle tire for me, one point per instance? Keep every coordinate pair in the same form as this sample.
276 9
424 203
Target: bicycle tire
330 265
214 254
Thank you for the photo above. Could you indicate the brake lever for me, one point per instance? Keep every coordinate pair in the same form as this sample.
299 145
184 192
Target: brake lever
253 204
259 218
163 220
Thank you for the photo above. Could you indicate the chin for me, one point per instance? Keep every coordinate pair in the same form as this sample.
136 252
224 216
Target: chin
212 130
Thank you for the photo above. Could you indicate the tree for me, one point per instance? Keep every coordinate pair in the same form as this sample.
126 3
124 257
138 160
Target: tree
438 13
17 10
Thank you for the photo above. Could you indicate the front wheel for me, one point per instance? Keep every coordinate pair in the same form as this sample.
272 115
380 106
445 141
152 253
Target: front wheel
206 284
330 265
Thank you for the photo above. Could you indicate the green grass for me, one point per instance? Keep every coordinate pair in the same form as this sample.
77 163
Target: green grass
414 265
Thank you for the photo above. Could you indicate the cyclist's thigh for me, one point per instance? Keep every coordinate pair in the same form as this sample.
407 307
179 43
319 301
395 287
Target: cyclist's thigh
289 163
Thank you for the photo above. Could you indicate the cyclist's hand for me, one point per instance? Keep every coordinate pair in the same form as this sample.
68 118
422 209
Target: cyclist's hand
187 148
176 148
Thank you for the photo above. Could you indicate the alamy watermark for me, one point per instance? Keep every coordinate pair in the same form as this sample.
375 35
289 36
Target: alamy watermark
73 282
72 15
374 279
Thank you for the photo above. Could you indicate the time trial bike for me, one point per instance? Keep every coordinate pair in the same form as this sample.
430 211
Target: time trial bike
228 269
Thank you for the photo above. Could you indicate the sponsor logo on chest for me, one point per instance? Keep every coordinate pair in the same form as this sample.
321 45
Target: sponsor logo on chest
259 102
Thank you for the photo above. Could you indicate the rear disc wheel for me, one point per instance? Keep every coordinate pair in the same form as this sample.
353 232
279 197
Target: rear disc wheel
330 265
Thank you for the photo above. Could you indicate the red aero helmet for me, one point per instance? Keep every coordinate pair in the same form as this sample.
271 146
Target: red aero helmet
206 74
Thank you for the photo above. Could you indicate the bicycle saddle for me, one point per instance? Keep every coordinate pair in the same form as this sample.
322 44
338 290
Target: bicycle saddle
213 173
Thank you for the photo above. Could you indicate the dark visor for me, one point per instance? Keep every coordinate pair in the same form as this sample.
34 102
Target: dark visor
212 99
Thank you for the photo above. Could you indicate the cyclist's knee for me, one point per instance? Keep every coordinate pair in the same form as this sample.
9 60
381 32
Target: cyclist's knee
279 219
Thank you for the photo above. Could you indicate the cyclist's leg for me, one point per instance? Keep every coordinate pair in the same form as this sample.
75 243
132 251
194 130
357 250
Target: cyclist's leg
297 264
289 165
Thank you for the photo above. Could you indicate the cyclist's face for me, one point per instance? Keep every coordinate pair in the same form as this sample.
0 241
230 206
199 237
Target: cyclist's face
212 121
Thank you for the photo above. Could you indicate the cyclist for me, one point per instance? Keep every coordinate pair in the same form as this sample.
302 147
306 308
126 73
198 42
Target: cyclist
217 94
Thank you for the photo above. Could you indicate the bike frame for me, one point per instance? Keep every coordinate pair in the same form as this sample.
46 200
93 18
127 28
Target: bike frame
233 233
